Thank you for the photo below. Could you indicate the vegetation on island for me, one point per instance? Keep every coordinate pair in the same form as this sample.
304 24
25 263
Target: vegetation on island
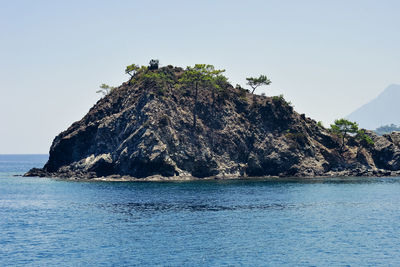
202 75
362 136
105 89
132 69
256 82
345 128
280 99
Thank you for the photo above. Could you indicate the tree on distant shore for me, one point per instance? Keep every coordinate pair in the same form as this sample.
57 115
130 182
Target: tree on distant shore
105 89
199 76
343 128
256 82
387 129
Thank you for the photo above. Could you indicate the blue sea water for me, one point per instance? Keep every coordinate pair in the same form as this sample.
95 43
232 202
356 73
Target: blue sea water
314 222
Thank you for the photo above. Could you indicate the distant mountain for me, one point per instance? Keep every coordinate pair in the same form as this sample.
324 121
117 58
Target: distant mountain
383 110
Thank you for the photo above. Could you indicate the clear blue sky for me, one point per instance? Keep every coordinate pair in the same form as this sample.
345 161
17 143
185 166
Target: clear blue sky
326 57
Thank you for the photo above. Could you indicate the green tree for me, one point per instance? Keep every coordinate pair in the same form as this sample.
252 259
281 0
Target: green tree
217 83
343 128
132 69
198 76
256 82
158 79
362 136
105 89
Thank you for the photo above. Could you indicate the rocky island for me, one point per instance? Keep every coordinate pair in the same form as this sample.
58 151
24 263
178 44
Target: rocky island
175 123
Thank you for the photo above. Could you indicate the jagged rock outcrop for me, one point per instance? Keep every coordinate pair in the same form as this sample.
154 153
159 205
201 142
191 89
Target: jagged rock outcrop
145 128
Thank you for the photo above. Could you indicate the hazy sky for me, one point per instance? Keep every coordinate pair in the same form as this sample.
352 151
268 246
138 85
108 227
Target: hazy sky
326 57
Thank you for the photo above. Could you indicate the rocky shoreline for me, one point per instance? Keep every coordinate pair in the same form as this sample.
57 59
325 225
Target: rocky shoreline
35 172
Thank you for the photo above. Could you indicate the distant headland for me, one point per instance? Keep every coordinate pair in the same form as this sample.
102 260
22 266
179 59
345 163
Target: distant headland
170 123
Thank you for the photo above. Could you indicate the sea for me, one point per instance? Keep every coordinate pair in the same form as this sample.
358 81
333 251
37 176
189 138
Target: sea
266 222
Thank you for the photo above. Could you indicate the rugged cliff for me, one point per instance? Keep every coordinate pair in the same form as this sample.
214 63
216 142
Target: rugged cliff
145 128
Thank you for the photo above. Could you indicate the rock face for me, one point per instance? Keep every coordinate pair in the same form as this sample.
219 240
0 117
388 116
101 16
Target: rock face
145 128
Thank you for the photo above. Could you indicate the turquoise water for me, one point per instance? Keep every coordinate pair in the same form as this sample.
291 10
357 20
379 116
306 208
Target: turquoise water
335 222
